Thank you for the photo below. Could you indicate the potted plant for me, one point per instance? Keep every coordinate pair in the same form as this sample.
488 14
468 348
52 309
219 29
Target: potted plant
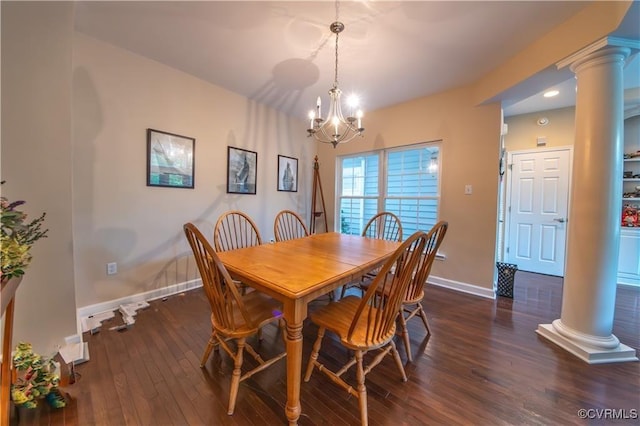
17 235
35 378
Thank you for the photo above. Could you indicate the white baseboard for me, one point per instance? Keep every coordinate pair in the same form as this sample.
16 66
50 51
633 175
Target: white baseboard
159 293
463 287
113 305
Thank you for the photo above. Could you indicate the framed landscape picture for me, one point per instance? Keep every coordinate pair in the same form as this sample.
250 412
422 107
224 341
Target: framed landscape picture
287 174
170 159
242 168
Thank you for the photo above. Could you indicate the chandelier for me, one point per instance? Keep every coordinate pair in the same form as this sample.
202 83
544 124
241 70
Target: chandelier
335 128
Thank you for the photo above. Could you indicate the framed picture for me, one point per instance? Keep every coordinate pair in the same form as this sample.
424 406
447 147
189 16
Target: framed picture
242 168
170 159
287 174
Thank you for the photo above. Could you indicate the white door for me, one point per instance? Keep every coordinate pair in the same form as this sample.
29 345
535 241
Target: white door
537 210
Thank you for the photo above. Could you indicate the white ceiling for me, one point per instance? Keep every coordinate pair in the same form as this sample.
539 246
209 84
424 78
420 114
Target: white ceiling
282 53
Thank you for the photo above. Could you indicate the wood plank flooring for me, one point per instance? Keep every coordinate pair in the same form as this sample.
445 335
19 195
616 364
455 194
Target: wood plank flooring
483 365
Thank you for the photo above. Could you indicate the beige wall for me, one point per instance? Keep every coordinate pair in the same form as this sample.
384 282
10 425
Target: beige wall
117 96
37 158
470 146
523 130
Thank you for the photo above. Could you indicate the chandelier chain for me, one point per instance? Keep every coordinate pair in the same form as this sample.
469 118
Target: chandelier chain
335 80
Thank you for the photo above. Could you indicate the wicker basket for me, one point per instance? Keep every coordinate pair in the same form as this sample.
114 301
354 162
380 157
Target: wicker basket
506 276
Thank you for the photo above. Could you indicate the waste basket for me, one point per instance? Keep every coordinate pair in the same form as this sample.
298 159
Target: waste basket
506 275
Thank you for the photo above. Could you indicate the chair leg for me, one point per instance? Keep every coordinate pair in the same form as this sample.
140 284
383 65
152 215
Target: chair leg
343 291
396 356
362 390
235 378
405 335
313 359
213 340
423 316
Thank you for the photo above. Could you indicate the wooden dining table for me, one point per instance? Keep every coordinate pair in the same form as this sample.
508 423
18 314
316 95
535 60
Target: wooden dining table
295 272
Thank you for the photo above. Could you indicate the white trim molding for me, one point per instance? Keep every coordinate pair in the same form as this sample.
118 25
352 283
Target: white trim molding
589 353
462 287
113 305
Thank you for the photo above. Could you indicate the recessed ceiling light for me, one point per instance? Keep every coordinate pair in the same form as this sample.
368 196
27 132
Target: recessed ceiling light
551 93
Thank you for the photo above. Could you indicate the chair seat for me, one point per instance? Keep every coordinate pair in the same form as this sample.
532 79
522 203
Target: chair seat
338 316
261 308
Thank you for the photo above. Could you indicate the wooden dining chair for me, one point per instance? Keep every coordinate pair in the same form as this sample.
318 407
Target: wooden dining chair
383 226
412 301
234 317
233 230
288 225
368 323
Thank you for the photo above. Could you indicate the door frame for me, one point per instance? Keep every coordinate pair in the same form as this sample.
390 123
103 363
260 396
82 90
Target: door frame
507 187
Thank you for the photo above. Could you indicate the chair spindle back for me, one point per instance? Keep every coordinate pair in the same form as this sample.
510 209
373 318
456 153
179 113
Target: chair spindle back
220 289
234 230
415 291
380 321
288 225
384 226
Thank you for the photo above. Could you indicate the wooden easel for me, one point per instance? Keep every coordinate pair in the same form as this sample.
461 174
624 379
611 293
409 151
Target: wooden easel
317 187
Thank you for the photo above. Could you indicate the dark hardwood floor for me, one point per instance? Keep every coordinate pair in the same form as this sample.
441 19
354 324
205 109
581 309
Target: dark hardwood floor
483 365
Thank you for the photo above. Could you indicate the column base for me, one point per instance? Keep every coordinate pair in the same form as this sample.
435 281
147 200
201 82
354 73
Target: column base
589 354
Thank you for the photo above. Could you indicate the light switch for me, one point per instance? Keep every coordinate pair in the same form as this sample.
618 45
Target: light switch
468 190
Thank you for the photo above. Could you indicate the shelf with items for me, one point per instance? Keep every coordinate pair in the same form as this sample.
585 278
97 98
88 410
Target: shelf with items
630 217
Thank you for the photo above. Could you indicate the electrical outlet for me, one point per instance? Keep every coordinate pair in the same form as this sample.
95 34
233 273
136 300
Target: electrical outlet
112 268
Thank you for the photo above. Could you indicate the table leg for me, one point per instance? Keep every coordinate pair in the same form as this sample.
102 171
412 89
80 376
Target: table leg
294 317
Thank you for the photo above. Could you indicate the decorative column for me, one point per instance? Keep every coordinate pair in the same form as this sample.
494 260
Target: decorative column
593 240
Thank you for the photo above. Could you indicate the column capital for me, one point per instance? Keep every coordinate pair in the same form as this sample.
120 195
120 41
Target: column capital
604 46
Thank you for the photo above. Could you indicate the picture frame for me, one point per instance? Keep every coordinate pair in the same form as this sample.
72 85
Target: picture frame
170 159
242 171
287 174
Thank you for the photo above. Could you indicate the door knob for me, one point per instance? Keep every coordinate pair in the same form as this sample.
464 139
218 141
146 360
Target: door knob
560 219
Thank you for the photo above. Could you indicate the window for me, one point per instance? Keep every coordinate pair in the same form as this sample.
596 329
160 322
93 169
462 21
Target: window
404 181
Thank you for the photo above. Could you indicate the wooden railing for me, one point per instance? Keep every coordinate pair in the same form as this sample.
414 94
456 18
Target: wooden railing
7 295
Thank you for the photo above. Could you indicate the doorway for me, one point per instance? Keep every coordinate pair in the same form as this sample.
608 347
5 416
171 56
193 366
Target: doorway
537 202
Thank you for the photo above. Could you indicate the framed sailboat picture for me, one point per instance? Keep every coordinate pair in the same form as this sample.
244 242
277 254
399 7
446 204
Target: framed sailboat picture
170 159
287 174
242 168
